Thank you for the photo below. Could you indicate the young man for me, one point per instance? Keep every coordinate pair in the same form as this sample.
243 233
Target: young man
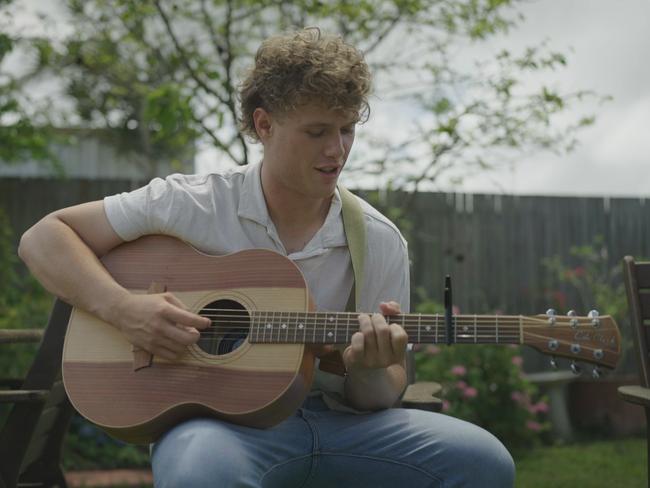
302 101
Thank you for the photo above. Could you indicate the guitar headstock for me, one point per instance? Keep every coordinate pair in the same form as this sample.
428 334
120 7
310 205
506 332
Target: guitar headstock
593 338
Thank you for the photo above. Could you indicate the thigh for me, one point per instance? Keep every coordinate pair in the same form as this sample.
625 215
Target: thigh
206 452
427 449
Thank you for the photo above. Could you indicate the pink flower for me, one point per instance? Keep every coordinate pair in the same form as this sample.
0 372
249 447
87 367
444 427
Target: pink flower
470 392
517 360
459 370
518 397
461 385
445 405
431 350
540 407
534 426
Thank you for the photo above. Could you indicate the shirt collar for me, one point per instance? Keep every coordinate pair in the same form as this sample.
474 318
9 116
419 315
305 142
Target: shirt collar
252 206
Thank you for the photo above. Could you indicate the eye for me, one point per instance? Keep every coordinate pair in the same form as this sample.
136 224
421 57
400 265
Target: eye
348 130
315 133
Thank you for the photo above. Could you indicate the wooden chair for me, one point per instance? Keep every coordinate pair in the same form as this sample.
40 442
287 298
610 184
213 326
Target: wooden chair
637 285
421 395
32 437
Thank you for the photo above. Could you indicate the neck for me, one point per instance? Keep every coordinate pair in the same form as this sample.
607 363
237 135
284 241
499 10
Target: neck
297 216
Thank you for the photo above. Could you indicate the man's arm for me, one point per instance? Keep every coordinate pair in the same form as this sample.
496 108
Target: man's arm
62 251
375 361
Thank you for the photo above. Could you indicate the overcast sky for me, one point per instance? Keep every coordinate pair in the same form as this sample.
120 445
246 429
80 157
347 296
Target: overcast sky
609 42
608 47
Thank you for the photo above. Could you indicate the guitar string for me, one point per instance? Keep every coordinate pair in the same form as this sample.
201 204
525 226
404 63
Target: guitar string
324 316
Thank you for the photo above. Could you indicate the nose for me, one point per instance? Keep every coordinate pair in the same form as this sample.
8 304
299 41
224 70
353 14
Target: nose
335 147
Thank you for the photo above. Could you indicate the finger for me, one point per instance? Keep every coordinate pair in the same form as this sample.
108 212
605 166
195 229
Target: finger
166 337
161 346
399 341
368 331
353 354
178 314
390 308
382 333
182 335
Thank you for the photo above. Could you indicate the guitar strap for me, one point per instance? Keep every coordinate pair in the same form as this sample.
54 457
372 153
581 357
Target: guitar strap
355 233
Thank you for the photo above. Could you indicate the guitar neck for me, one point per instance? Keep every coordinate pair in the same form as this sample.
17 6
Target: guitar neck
338 327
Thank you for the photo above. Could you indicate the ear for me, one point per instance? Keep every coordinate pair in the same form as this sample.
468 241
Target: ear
263 123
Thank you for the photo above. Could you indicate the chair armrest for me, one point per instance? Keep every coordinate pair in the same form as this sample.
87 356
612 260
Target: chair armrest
420 396
20 335
635 394
23 396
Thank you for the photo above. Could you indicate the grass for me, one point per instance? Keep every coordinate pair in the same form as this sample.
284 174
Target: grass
596 464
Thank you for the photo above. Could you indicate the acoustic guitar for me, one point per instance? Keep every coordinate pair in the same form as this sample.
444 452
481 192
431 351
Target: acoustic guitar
254 366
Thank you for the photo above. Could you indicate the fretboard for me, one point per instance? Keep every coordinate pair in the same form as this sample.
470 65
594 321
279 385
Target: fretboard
338 328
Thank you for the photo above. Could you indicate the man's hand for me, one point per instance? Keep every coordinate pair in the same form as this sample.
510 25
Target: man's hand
158 323
377 344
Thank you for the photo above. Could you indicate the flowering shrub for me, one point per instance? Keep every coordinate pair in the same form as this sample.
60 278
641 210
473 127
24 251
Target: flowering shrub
483 384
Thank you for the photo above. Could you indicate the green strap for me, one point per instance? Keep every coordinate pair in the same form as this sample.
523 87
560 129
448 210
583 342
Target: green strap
355 232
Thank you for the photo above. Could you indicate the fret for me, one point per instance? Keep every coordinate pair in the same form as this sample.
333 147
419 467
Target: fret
327 334
303 328
336 327
475 333
419 327
347 328
521 330
313 339
276 326
266 318
453 323
437 341
286 327
497 326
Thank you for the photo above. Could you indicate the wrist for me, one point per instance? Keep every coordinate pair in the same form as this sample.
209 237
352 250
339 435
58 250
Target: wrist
111 309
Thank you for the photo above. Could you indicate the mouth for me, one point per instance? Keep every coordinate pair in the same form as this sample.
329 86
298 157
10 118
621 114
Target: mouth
329 170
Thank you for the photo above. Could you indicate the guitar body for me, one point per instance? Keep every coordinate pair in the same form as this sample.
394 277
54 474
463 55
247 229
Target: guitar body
223 376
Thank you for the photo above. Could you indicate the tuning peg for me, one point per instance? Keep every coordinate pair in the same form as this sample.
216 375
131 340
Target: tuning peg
574 318
575 368
595 318
596 372
553 362
550 313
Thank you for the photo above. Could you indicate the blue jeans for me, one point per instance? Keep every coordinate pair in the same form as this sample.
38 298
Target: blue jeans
322 448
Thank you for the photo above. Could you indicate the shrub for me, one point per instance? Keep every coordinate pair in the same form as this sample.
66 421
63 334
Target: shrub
484 384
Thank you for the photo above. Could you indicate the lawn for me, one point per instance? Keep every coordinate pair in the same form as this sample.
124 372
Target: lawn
597 464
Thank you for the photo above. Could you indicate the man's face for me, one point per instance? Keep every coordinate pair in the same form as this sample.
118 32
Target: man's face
305 150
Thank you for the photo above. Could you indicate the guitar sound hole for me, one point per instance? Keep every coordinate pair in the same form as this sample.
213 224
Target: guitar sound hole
230 324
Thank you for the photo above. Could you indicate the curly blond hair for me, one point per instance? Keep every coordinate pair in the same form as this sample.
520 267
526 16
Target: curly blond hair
304 67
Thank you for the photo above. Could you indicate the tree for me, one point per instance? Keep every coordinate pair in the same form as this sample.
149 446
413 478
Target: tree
19 137
164 73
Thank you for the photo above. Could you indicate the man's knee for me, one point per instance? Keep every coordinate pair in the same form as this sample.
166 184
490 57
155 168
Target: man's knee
199 453
462 452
